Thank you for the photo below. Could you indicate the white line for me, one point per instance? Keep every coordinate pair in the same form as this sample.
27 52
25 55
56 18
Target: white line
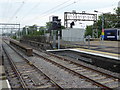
9 87
112 57
58 50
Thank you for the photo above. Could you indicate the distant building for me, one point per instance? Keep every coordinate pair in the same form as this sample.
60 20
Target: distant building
119 4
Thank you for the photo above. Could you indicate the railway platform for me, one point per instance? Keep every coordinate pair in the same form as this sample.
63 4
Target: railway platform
90 51
103 46
4 83
96 52
106 60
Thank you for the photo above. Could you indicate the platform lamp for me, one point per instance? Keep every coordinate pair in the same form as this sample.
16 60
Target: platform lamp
102 36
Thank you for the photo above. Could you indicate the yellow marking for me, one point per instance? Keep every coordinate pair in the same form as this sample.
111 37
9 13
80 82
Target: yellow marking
97 51
107 81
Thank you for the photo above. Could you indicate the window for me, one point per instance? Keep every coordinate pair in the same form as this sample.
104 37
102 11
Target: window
118 33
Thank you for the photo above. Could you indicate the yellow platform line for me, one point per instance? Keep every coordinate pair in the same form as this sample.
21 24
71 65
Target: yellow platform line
99 52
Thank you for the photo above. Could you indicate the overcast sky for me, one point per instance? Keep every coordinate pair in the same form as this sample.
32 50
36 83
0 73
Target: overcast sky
29 12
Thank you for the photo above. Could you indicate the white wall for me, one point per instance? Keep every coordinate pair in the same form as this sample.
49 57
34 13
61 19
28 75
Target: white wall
73 34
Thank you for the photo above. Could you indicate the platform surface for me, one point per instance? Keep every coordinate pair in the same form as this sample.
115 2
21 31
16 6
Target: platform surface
92 52
99 53
104 46
3 81
4 84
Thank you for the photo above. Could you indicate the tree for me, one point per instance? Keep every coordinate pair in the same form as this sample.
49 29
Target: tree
32 31
110 21
118 17
88 30
24 31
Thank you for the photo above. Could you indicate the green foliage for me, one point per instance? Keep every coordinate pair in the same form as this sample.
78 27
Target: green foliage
32 31
88 30
48 25
14 37
117 10
62 27
23 31
36 33
110 21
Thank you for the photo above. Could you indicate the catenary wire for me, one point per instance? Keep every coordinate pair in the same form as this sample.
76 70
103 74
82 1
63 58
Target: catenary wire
35 18
51 9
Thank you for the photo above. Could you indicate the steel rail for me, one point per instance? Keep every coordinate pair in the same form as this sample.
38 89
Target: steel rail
61 58
94 70
74 72
15 69
51 80
88 79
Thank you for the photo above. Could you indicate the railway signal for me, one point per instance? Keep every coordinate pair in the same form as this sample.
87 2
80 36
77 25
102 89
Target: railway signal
55 24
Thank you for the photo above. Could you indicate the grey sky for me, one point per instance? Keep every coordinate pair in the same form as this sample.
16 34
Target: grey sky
29 12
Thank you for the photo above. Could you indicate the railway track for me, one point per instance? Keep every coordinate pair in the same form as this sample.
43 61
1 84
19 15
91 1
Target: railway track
11 75
29 76
68 74
63 79
98 78
82 71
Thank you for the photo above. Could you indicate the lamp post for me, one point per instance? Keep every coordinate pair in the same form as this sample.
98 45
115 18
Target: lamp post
102 24
102 34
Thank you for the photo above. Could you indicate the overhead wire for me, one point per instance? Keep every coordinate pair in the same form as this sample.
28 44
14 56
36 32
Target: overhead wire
17 10
59 9
4 13
31 10
7 7
53 11
57 6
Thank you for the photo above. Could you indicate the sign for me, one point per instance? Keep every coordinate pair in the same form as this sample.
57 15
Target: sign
102 36
103 33
81 16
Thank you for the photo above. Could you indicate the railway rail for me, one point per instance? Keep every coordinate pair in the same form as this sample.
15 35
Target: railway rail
68 74
99 78
11 75
57 80
30 77
103 60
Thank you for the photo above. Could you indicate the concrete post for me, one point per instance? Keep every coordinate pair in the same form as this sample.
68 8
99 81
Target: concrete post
58 39
26 31
88 41
54 39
